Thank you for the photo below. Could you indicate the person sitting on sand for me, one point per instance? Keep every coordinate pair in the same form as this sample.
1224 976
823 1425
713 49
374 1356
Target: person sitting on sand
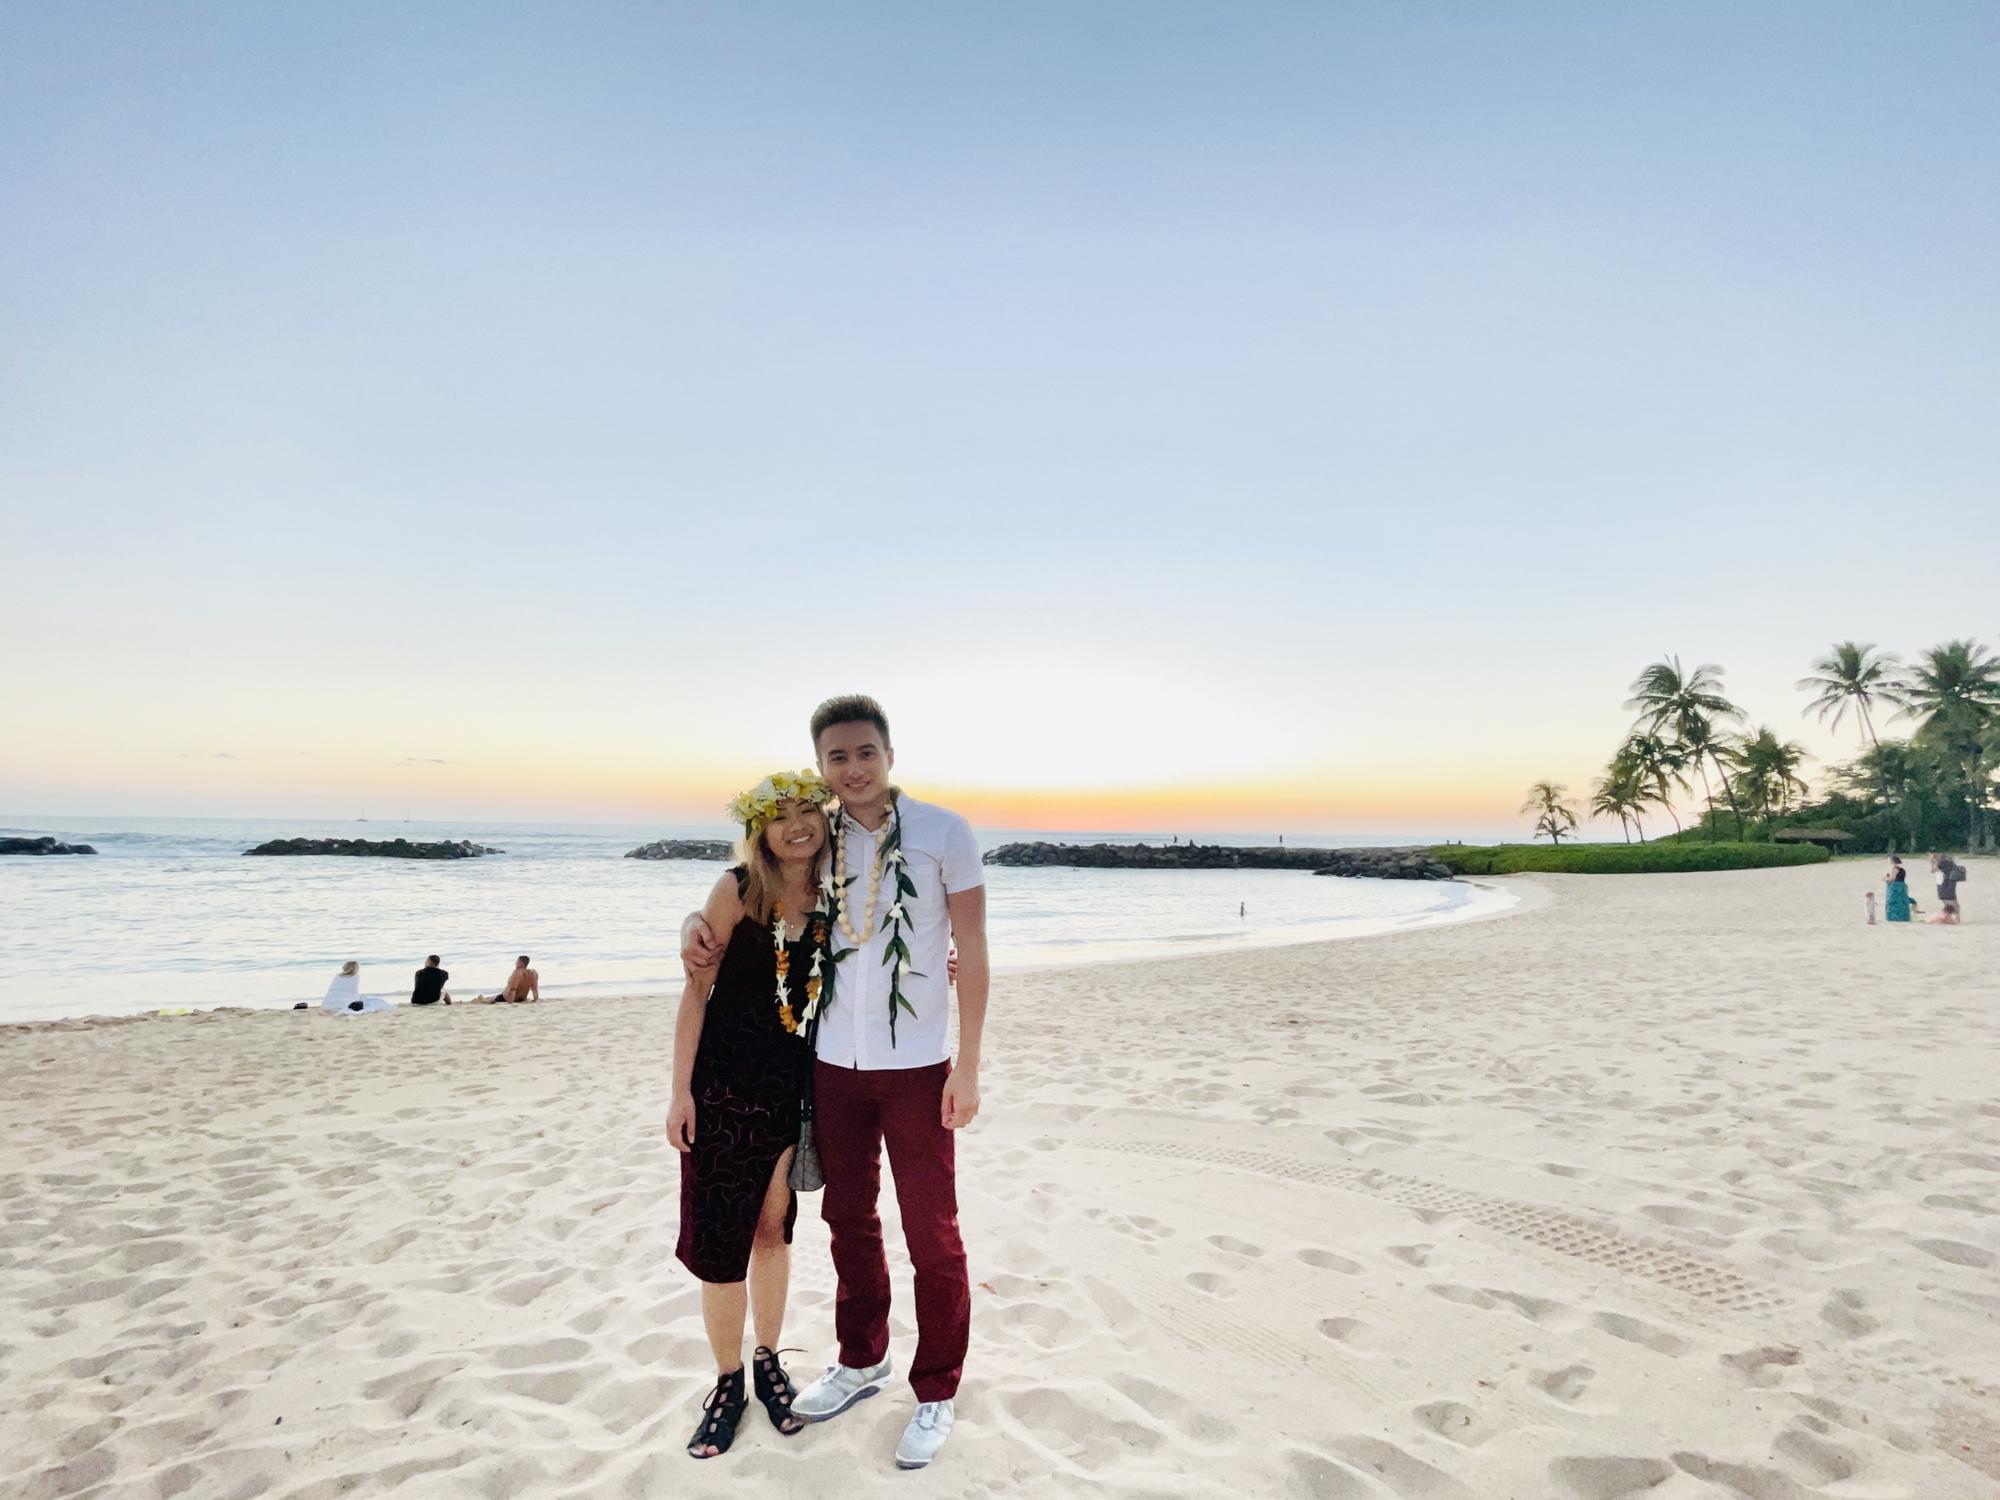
344 996
429 987
1896 901
740 1076
522 985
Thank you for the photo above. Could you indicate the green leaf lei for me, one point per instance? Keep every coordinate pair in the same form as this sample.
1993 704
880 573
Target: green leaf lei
897 954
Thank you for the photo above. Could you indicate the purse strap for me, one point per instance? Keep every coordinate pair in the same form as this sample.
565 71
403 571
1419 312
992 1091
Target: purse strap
812 1057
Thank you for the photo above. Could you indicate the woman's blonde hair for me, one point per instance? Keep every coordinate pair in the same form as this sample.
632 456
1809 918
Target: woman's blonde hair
350 967
763 881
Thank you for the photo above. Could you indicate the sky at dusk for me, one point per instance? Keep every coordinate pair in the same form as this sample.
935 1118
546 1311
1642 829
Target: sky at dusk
1196 416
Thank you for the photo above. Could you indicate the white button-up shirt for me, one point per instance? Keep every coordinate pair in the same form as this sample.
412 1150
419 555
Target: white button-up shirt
941 857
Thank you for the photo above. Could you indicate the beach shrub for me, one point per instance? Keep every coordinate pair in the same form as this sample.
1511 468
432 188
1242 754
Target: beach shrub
1620 859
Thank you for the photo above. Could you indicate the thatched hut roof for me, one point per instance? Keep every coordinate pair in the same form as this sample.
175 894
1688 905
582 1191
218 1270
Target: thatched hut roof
1810 836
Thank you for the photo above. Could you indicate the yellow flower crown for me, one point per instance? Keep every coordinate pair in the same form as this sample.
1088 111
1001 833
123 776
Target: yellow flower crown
756 807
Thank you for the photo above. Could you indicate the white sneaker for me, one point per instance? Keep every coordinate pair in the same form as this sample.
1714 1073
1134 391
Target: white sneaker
839 1388
926 1434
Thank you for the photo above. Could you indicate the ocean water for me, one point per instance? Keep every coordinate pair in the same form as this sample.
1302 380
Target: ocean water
170 913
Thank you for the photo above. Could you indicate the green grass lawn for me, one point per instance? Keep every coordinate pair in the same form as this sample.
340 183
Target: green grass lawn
1620 859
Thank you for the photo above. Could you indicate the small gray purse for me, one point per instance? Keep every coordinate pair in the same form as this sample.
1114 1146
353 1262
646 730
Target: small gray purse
805 1175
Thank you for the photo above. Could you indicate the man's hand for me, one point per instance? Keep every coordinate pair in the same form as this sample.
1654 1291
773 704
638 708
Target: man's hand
961 1098
700 949
680 1123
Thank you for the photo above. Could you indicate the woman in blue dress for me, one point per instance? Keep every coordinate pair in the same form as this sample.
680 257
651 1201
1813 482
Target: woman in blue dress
1896 904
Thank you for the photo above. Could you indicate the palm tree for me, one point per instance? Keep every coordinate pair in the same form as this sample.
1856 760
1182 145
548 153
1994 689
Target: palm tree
1770 770
1623 794
1553 814
1955 688
1853 676
1692 705
1959 677
1660 767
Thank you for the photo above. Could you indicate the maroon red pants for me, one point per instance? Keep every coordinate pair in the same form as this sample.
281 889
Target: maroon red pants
854 1112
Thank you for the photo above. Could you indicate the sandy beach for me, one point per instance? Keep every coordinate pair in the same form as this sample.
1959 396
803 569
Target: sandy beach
1667 1186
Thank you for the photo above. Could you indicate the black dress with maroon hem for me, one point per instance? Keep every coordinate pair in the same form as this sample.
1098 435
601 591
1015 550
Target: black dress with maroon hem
749 1076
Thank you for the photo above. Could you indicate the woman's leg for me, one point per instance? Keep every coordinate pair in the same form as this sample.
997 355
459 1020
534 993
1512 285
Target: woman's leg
771 1259
722 1316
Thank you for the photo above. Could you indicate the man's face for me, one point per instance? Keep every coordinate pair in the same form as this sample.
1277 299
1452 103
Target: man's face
855 762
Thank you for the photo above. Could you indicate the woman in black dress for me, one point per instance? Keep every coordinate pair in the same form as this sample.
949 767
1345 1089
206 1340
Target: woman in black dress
740 1070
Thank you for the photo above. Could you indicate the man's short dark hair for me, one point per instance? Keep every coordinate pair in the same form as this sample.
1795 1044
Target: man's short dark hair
853 708
432 959
522 959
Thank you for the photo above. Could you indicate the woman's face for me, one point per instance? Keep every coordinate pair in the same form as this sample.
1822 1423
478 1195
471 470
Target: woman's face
798 832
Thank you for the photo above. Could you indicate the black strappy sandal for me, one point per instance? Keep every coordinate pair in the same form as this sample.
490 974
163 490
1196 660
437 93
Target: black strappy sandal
722 1410
774 1389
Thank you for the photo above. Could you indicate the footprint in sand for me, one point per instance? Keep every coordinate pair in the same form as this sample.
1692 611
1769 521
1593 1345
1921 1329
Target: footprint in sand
1566 1385
1213 1285
1681 1217
1326 1260
1403 1472
1230 1246
1636 1331
1351 1332
1821 1462
1846 1312
1314 1476
1765 1364
1608 1478
1174 1409
1412 1255
1957 1253
1453 1421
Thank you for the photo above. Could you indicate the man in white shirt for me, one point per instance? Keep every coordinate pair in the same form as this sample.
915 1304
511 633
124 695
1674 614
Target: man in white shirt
884 1072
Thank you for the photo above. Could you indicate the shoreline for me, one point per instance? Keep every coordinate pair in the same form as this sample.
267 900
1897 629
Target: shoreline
1525 897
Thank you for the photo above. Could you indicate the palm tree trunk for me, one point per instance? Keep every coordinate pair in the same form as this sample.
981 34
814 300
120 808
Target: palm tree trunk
1729 792
1639 825
1707 795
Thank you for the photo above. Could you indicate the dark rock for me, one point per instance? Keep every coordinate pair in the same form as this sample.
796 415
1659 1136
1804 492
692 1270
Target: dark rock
1381 864
376 848
42 845
684 849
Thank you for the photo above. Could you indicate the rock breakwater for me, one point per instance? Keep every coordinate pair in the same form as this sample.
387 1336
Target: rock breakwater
1411 863
684 849
43 845
377 848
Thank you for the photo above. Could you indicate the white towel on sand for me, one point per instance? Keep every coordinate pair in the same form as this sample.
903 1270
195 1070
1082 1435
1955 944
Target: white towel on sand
344 995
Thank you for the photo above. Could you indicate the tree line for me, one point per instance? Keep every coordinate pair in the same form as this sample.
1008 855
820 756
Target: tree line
1935 786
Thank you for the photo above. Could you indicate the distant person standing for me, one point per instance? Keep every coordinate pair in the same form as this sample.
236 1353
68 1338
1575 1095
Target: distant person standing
524 984
429 988
1949 873
1896 893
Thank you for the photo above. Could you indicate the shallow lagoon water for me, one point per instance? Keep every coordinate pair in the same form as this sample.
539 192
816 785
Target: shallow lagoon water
170 913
